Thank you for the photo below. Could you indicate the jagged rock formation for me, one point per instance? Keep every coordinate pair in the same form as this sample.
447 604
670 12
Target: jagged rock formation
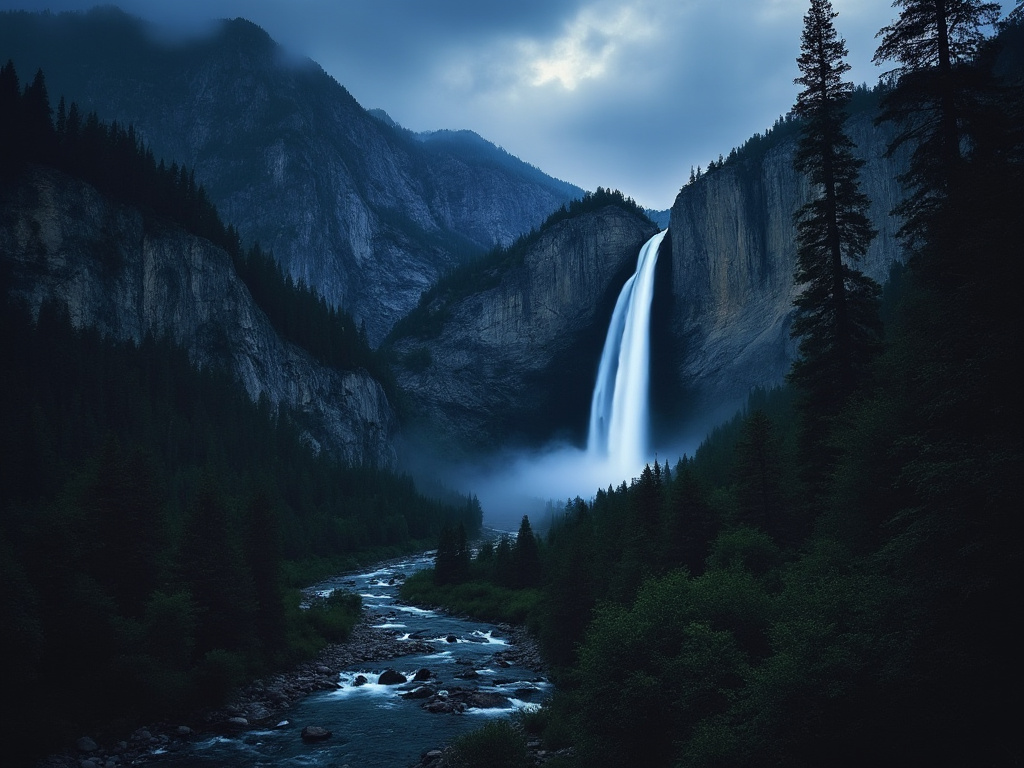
510 360
364 211
127 277
733 258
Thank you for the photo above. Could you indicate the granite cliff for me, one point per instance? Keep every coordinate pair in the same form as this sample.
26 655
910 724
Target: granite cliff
127 276
734 254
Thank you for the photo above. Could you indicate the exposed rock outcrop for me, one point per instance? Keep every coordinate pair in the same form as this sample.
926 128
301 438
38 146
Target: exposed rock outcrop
113 270
734 255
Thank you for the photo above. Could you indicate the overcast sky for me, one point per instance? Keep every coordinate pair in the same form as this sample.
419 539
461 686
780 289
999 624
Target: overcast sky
626 94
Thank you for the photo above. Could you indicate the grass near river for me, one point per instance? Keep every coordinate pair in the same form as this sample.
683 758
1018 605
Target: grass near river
480 599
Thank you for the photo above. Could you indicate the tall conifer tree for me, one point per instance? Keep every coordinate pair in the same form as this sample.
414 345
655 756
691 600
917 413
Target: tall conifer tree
932 90
837 312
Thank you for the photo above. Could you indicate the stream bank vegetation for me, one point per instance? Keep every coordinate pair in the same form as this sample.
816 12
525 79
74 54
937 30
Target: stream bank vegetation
749 606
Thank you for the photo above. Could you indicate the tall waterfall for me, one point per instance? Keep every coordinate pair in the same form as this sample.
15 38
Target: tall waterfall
619 407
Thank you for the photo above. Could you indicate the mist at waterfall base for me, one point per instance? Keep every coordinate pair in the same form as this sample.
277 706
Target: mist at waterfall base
535 483
513 483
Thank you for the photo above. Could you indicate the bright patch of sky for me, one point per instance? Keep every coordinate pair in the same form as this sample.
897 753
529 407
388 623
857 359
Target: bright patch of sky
587 49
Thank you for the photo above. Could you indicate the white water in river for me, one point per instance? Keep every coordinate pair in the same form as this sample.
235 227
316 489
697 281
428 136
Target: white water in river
619 413
375 725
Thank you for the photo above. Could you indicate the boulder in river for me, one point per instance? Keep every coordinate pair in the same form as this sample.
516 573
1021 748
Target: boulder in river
391 677
315 733
487 700
422 674
422 692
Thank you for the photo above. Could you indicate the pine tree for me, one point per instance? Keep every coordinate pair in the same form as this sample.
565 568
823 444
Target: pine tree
759 474
451 564
836 318
525 556
10 119
932 88
504 569
38 117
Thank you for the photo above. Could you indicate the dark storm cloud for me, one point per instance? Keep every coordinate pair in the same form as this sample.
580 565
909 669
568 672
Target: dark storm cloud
621 93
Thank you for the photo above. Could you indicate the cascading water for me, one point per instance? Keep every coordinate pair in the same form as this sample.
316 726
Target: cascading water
619 407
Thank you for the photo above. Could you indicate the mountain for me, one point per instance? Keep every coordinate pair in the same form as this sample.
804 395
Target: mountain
115 270
365 211
506 352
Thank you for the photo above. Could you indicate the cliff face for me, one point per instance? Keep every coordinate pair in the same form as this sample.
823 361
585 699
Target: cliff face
734 256
510 361
366 212
65 242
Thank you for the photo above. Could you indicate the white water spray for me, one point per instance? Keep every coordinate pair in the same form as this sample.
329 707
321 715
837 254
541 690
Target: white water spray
619 415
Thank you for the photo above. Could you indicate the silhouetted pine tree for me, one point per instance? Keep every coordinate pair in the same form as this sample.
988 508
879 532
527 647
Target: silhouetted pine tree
933 86
451 563
837 318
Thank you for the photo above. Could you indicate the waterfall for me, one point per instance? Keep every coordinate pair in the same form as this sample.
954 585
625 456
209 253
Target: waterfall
619 407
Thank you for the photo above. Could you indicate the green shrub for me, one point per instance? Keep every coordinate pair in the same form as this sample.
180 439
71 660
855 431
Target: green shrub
480 599
499 744
333 617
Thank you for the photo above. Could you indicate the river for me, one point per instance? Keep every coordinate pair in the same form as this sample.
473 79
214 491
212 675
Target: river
373 724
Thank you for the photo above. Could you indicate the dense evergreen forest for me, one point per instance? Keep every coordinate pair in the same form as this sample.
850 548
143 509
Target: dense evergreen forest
832 578
155 523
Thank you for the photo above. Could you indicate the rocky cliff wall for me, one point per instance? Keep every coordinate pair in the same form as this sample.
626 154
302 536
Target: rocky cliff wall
734 255
127 277
517 360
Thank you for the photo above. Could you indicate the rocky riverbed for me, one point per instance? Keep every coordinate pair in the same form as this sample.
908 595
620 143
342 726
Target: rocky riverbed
266 702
